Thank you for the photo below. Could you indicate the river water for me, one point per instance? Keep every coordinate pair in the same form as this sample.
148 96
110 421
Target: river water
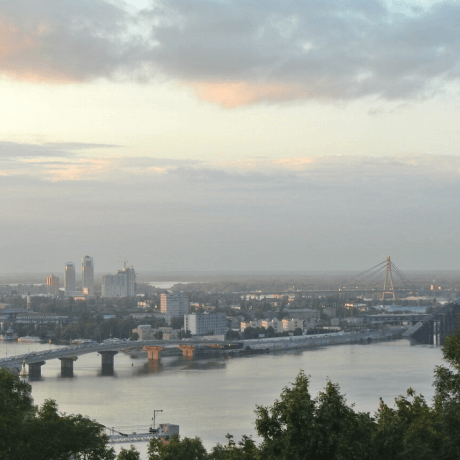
211 397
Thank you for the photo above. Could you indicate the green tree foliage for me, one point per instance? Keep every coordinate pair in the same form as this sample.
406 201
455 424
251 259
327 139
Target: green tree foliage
407 431
175 449
447 398
31 433
128 454
244 450
299 427
15 405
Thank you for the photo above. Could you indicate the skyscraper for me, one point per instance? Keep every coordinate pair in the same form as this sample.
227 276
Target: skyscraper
53 284
130 280
87 268
115 285
123 284
69 277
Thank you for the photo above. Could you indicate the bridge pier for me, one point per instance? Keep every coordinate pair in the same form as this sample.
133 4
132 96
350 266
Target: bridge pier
107 361
188 350
67 366
154 353
35 370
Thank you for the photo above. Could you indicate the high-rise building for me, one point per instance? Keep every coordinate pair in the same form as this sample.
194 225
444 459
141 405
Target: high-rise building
175 304
53 284
69 277
115 285
87 268
122 284
130 280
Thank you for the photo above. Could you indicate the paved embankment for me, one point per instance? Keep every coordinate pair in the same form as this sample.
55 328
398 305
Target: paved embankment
319 340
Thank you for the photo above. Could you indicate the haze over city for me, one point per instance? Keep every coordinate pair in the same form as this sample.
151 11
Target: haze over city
229 135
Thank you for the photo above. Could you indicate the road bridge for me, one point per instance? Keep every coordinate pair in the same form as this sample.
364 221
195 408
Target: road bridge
434 328
407 317
68 355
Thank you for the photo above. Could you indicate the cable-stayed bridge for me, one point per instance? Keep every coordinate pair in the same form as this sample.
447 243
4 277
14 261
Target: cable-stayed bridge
385 275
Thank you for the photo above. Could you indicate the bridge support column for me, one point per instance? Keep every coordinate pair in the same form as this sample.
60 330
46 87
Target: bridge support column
188 350
67 366
107 361
154 353
35 370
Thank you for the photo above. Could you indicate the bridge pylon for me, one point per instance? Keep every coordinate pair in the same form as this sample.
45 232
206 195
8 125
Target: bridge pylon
388 287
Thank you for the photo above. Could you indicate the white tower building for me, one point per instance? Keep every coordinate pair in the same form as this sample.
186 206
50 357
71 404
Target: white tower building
87 268
69 277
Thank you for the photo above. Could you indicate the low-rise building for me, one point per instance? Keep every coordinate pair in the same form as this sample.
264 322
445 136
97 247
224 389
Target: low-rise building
292 324
144 331
274 323
246 324
205 323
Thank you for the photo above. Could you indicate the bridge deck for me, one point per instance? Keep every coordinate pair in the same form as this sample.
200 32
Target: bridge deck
44 355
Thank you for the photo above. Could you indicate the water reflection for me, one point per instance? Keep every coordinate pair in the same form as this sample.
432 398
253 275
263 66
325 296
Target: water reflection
178 364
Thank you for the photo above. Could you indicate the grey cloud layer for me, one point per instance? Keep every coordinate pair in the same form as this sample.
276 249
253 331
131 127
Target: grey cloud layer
333 49
195 216
13 150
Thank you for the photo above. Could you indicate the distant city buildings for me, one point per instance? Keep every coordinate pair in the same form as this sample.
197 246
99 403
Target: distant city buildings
122 284
285 325
206 323
53 284
87 268
69 277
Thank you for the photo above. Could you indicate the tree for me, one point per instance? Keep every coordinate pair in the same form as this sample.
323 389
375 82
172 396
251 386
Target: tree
28 432
232 335
175 449
177 322
131 454
246 449
407 432
15 406
447 398
297 427
415 430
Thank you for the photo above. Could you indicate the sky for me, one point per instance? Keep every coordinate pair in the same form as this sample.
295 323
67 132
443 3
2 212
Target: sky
229 135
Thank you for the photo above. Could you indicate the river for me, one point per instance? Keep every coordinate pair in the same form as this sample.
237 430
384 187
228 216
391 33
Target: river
209 398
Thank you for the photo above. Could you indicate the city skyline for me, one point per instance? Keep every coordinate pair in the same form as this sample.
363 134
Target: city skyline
229 136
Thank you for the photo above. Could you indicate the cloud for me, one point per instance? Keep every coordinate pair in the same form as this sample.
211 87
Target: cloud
231 94
66 161
64 41
15 150
77 146
298 213
241 51
70 162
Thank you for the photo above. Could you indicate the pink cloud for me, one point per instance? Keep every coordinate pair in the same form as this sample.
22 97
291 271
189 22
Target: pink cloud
234 94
